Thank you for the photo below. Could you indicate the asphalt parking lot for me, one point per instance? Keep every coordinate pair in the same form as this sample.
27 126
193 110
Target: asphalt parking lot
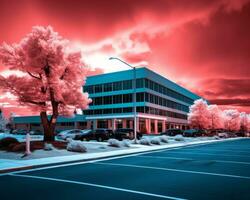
212 171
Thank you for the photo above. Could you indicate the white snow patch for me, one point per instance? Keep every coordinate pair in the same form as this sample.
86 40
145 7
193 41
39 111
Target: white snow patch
114 143
179 138
76 146
156 140
145 141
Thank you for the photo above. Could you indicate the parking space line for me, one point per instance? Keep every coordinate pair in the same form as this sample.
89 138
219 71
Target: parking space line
220 150
98 160
209 154
174 170
191 159
98 186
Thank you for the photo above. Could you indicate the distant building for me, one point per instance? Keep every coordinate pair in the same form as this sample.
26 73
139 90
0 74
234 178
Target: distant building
160 104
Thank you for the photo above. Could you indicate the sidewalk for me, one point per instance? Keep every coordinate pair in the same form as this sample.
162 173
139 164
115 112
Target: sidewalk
7 165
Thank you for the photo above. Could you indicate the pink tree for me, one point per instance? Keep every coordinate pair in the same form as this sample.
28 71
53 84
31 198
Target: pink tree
215 117
231 120
199 115
53 78
244 121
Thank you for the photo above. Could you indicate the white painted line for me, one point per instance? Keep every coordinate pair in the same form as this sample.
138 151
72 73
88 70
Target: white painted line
93 161
220 150
99 186
191 159
112 158
174 170
209 154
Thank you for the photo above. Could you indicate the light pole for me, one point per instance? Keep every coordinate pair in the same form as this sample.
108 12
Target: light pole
134 93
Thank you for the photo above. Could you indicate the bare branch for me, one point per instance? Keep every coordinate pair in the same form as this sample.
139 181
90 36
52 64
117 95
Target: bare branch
39 78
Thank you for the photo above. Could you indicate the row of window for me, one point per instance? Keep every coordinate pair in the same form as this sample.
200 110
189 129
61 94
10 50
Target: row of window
140 97
140 109
140 83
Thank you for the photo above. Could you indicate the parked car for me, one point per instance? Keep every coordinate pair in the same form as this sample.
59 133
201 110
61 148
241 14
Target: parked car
125 133
193 133
36 132
99 134
20 131
86 134
73 133
172 132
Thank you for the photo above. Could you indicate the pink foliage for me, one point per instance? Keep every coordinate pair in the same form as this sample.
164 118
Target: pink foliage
216 120
199 115
40 48
232 119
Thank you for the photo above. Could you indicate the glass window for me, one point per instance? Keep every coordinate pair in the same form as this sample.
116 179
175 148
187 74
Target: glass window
117 99
127 110
98 88
117 86
107 87
127 85
98 112
127 98
117 110
151 85
107 100
140 83
98 100
140 97
107 111
140 109
146 83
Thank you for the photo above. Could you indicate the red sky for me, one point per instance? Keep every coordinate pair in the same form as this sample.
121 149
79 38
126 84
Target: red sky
202 45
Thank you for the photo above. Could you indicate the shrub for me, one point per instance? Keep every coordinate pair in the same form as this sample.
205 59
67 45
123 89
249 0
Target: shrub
5 142
48 147
114 143
179 138
76 146
125 143
21 147
216 137
145 141
164 138
156 140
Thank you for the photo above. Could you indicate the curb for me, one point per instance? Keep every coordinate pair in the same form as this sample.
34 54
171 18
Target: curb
3 171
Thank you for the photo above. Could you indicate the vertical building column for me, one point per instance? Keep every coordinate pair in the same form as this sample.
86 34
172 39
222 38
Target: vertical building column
124 123
130 123
95 124
137 124
163 126
148 125
75 125
109 124
156 126
113 124
88 124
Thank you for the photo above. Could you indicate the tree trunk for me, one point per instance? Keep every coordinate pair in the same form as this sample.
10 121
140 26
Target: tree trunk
48 129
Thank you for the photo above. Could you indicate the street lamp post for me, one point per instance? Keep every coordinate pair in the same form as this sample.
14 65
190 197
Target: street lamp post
134 93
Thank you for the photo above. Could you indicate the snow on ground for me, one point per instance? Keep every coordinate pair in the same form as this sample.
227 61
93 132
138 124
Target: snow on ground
92 146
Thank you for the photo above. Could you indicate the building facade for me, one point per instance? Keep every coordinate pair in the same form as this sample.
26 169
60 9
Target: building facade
160 103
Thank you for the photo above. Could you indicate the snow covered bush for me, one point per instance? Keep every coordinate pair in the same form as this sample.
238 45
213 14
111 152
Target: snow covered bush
76 146
126 143
216 137
156 140
164 138
48 147
145 141
5 142
114 143
179 138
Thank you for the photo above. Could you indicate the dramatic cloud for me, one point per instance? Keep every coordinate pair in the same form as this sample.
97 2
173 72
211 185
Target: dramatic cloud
199 44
